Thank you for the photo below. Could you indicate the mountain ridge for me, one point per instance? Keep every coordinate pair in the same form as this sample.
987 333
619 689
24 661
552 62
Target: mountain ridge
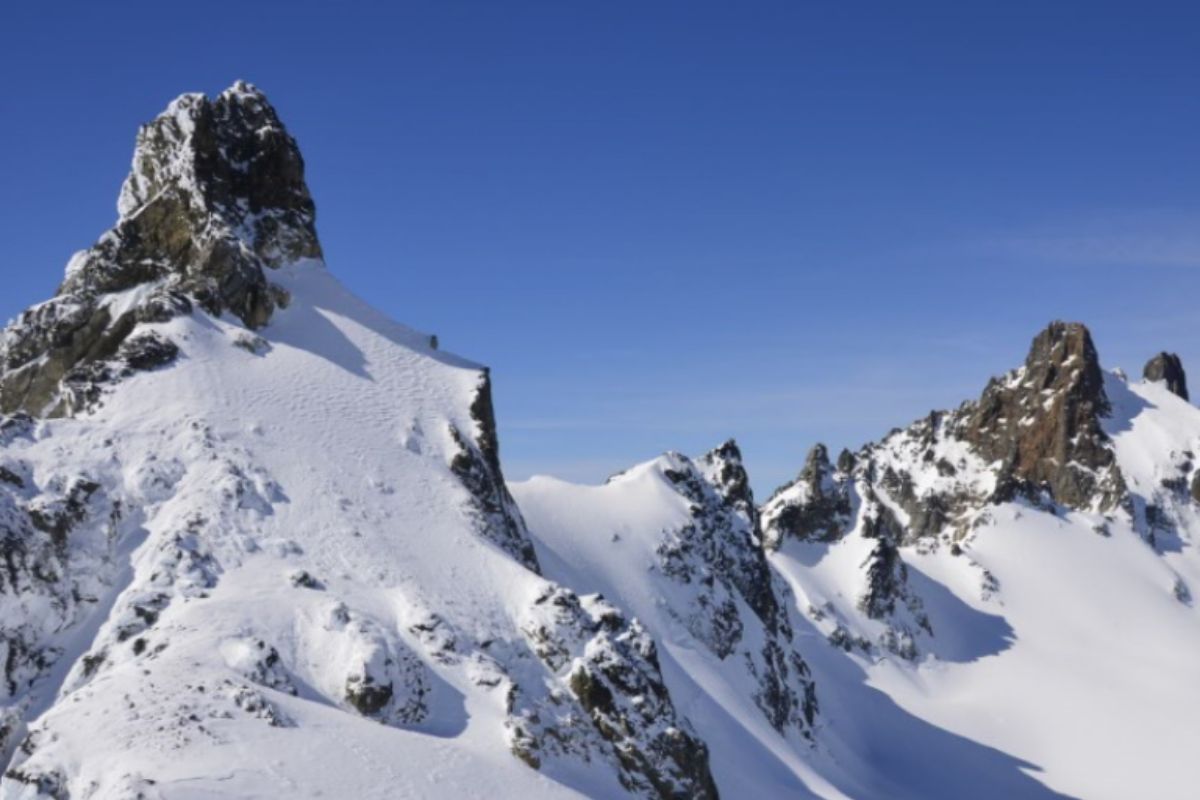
253 528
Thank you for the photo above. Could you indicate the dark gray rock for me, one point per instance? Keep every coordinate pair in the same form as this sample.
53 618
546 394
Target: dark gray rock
477 466
1168 368
610 666
718 553
215 200
817 505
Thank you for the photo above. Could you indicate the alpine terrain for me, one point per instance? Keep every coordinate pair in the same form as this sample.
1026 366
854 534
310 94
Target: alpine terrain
257 542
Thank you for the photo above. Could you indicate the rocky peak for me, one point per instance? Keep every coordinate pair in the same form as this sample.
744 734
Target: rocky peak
816 506
723 468
215 199
216 193
717 555
1168 368
1042 422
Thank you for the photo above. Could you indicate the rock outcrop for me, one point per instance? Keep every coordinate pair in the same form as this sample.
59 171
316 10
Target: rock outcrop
816 506
718 558
1042 422
1167 367
215 200
1034 434
611 667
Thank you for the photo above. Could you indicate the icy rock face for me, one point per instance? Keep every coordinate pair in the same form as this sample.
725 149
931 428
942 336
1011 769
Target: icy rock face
887 596
914 487
215 199
477 465
677 542
1168 368
59 535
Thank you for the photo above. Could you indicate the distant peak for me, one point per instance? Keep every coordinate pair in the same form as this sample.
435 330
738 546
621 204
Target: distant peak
723 467
728 450
817 459
1043 421
1167 367
241 87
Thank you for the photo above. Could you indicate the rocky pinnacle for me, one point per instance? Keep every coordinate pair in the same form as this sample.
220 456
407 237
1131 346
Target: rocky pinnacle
1042 422
216 199
1168 368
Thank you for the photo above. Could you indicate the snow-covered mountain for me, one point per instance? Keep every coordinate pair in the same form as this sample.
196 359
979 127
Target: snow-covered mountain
257 543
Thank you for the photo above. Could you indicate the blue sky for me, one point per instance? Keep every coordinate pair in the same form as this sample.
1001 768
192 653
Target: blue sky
664 224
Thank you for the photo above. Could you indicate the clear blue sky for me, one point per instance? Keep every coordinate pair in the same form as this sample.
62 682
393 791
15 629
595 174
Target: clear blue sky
663 224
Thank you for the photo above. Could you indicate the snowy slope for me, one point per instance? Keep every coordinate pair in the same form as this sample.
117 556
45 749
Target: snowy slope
264 465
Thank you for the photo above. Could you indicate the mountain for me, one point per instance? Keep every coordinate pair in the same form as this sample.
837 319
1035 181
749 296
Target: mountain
258 542
1020 571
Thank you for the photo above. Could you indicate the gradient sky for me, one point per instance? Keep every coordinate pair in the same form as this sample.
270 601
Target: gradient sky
664 224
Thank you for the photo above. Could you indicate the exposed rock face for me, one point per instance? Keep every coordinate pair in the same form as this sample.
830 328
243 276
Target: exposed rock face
477 465
611 667
1034 433
816 506
718 554
215 199
734 518
887 596
1168 368
1042 422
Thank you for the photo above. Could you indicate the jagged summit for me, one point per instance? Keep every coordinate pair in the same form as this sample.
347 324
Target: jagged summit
1168 368
215 199
1042 421
812 507
1038 430
215 194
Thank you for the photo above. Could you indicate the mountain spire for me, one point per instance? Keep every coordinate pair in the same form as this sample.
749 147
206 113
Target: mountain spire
1042 421
1168 368
216 198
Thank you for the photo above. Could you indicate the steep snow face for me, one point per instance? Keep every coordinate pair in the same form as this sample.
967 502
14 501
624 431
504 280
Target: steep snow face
269 549
677 543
